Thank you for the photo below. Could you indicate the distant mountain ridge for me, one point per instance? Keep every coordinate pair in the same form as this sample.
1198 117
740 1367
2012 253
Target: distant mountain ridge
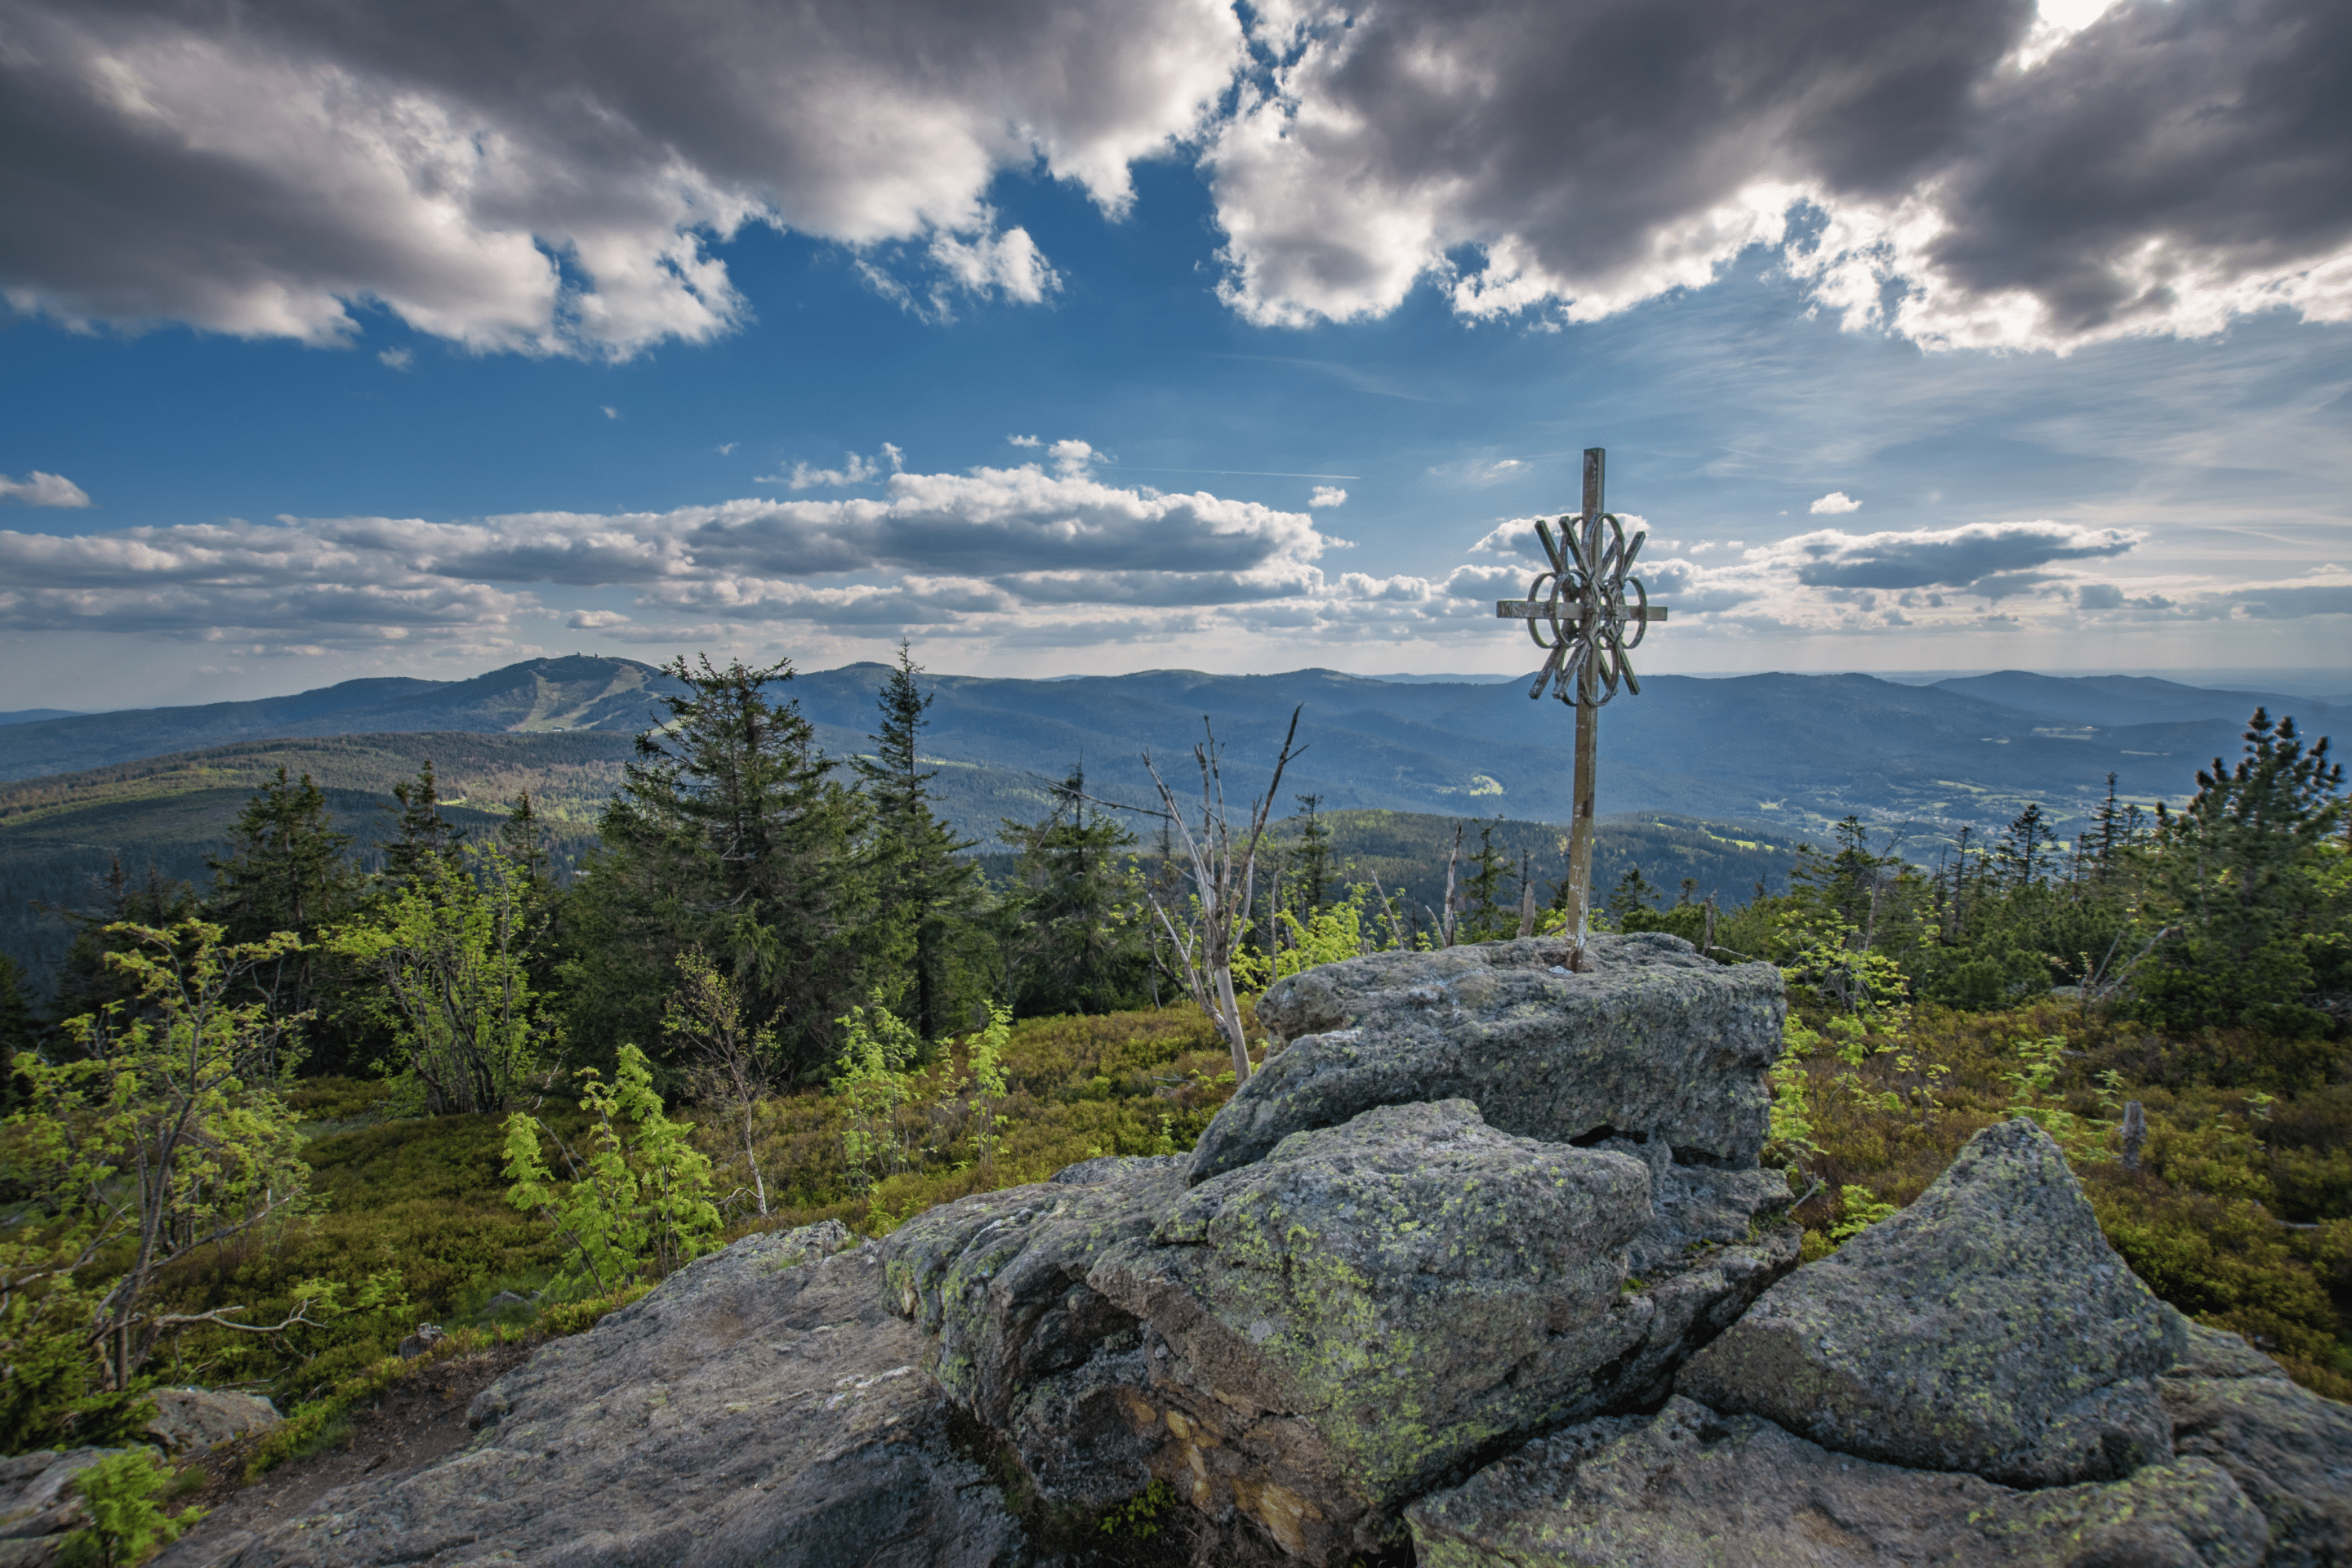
1796 749
576 692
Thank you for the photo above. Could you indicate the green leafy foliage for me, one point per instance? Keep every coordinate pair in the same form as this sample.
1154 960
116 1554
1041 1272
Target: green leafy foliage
638 1203
125 1526
161 1135
450 952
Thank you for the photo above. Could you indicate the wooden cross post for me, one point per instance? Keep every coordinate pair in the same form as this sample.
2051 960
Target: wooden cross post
1584 609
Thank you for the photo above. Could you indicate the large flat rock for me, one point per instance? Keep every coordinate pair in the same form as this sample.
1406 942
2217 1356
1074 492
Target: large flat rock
756 1408
1987 1328
1690 1489
1648 1039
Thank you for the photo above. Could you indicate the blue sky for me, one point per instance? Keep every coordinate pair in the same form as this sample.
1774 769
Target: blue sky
757 390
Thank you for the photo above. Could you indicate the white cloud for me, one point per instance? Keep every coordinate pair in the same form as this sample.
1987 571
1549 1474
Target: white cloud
1009 549
1022 440
43 489
1835 501
855 471
726 448
552 179
396 359
611 412
1072 456
1328 495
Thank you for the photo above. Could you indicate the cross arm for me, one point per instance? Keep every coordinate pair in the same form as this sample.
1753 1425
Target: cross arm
1535 609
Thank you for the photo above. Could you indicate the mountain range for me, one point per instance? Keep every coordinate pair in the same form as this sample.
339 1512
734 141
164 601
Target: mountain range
1723 774
1796 750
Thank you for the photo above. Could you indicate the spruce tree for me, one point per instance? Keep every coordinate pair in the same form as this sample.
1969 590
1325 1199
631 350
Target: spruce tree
286 871
285 868
729 833
923 893
2028 848
2250 880
87 983
1075 942
1311 883
422 836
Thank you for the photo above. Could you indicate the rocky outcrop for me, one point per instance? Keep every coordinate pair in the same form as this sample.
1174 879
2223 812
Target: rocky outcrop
1314 1339
1987 1328
1689 1487
1645 1038
1482 1257
2289 1450
762 1405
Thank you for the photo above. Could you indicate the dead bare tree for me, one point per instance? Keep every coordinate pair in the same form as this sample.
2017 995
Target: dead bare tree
1224 886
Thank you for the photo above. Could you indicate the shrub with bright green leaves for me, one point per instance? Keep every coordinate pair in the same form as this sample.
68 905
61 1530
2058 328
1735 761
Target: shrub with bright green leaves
639 1204
125 1526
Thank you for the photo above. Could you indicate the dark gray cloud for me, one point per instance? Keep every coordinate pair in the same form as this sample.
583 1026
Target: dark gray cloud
554 175
1959 172
2172 151
259 168
1995 558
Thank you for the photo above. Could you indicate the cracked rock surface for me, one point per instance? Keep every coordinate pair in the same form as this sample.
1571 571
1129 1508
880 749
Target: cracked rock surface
2289 1450
1648 1039
762 1405
1688 1487
1987 1328
1312 1340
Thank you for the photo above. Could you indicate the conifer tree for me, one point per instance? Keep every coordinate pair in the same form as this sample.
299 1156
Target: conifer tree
923 893
2251 881
285 868
729 833
285 871
2027 847
1074 942
422 836
1311 882
87 983
1488 915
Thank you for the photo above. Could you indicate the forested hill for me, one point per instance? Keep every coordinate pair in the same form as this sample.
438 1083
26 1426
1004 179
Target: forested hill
59 836
1798 750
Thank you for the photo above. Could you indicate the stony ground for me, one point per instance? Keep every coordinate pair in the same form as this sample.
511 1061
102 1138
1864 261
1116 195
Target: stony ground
412 1425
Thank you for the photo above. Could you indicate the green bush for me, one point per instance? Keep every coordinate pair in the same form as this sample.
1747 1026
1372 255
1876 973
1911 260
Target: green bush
125 1526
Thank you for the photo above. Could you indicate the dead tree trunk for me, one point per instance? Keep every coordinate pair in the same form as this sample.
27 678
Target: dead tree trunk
1224 887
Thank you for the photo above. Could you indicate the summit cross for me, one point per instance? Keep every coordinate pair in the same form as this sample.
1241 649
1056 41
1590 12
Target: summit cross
1586 610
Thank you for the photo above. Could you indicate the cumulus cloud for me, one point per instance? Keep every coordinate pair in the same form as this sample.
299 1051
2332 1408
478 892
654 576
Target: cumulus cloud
1835 501
1964 174
1002 547
1328 495
396 359
551 178
39 488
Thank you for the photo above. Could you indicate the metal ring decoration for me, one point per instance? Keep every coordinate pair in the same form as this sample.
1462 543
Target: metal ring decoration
1585 608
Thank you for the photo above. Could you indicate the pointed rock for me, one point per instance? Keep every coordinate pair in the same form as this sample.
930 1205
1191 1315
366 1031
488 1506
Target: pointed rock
1987 1328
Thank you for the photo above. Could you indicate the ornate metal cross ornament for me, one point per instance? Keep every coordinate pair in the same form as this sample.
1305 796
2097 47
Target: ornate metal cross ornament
1597 613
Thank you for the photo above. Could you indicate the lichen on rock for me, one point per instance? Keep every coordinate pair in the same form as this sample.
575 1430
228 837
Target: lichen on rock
1638 1036
1690 1487
1987 1328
